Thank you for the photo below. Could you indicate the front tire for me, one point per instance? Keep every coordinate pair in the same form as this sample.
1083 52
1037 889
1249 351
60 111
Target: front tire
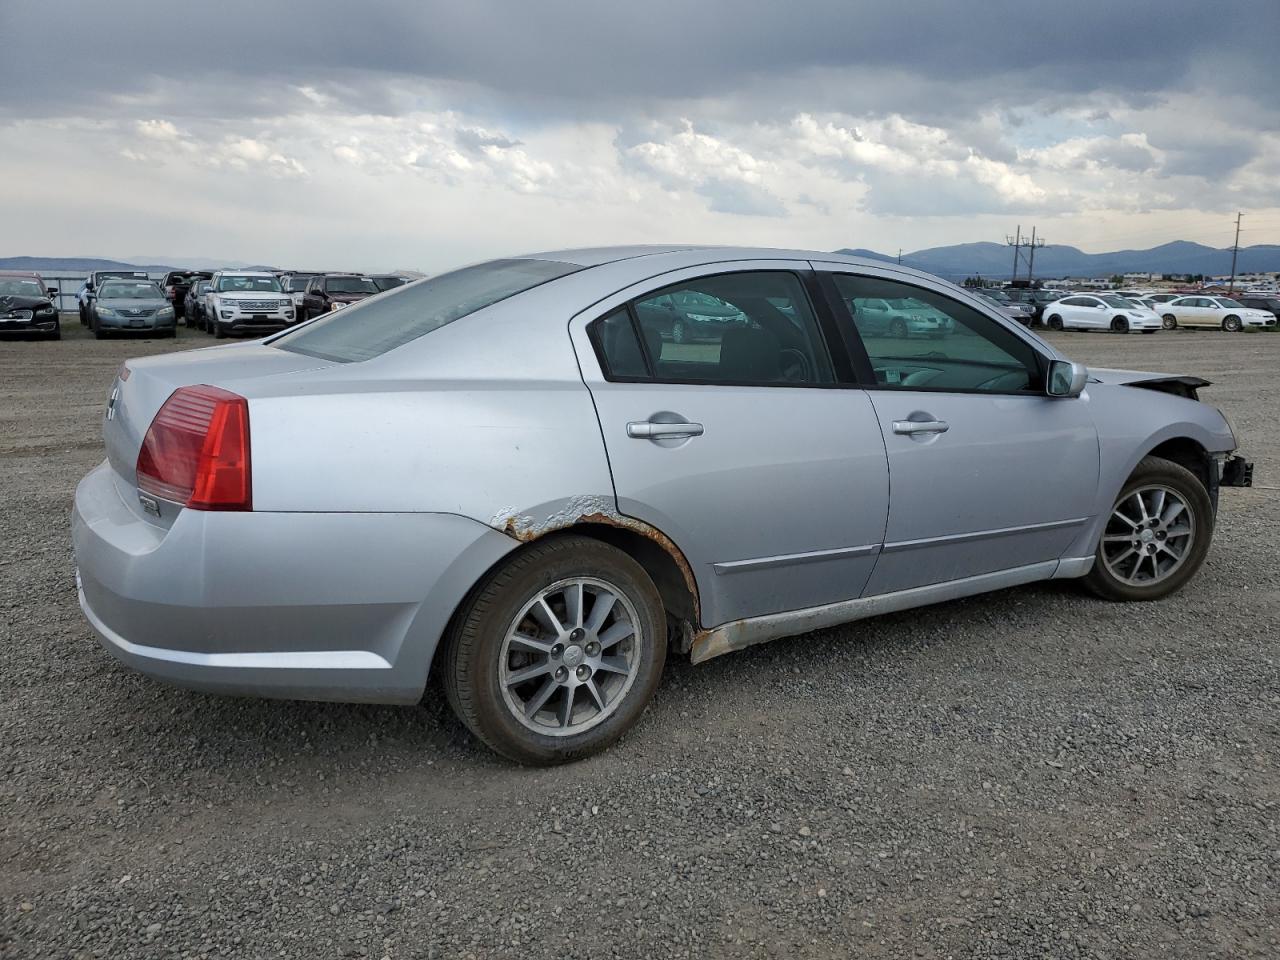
1157 535
898 329
558 652
218 332
1169 321
1119 325
1055 322
1232 324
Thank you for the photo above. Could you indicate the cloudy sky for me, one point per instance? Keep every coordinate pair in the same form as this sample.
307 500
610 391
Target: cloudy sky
414 133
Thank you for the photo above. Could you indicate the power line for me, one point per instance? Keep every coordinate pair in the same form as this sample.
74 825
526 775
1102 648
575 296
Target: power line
1235 249
1015 241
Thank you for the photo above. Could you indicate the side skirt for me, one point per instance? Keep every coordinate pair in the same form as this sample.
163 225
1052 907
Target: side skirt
747 633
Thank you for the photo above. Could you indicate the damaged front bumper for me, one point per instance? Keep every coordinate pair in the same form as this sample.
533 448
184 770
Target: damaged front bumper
1236 471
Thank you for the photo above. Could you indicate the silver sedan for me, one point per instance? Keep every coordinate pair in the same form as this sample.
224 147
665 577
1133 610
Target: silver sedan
514 476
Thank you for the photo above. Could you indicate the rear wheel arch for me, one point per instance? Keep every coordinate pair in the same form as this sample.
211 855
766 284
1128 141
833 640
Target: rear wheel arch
653 550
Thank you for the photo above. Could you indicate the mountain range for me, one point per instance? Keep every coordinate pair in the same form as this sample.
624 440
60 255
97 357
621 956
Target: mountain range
995 260
955 262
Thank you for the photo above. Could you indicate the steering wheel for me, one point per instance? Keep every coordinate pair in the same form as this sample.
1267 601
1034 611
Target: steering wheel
795 365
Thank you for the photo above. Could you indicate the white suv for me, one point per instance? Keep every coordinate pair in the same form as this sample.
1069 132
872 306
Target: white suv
247 301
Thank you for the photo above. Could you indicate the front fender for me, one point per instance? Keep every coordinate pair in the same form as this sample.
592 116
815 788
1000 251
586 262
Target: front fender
1132 422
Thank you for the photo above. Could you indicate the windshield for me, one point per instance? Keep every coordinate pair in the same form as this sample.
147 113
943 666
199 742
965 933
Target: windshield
298 282
1228 302
233 283
388 283
20 288
130 290
372 328
350 285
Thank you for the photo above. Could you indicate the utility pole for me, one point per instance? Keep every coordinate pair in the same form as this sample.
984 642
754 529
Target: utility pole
1015 241
1235 249
899 256
1031 263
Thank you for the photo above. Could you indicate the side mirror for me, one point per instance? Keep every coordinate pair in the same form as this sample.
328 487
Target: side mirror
52 291
1066 378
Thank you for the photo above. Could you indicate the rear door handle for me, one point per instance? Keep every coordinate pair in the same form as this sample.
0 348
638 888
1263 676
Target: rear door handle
650 430
920 426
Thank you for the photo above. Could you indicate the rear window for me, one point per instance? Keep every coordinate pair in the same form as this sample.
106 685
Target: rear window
372 328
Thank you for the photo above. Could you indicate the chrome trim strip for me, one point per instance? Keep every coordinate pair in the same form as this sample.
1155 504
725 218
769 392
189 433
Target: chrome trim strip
786 559
745 633
982 535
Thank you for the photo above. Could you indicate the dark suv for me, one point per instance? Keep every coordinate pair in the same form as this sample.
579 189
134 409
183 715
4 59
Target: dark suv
334 290
176 283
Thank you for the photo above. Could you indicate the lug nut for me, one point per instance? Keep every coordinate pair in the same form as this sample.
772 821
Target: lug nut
557 650
583 672
562 674
577 634
593 649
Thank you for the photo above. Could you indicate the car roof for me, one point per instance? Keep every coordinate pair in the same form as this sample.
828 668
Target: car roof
24 274
694 255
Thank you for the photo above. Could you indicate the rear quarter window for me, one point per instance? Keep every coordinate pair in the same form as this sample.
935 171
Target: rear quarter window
374 327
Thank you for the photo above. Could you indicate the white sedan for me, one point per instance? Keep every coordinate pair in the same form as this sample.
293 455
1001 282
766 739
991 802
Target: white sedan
1217 312
1103 312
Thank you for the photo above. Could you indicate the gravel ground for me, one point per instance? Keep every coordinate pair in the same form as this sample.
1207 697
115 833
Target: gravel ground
1028 774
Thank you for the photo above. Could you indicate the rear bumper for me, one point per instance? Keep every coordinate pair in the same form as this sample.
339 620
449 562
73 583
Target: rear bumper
317 606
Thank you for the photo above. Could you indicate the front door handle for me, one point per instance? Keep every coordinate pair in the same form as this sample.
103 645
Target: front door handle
652 430
910 427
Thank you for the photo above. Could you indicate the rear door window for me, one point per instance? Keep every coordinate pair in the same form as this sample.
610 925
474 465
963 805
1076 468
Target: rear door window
749 328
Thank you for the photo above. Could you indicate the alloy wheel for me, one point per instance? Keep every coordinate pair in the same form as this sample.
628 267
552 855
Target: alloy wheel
1150 533
570 656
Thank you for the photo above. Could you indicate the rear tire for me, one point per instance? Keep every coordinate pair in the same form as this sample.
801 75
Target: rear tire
1169 321
1107 579
1055 322
480 646
1232 324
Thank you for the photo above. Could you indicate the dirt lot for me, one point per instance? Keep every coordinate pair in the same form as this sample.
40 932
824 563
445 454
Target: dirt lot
1029 774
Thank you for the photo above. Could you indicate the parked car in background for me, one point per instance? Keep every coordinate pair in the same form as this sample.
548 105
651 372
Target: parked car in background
1269 302
28 305
121 305
1100 312
387 281
295 285
332 291
1035 299
193 303
1218 312
88 290
900 317
246 301
1132 294
1164 297
176 283
1016 309
529 531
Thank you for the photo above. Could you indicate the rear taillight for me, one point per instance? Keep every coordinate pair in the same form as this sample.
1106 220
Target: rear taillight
196 451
